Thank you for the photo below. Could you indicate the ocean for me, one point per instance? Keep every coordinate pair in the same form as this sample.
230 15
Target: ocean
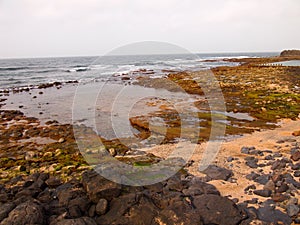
33 71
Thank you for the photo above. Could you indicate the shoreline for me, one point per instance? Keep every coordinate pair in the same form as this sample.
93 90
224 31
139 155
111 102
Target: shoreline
248 171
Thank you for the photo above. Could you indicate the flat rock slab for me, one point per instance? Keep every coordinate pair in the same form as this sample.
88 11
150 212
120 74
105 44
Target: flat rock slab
217 173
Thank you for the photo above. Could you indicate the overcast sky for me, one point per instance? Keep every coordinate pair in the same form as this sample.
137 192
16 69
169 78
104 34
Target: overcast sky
32 28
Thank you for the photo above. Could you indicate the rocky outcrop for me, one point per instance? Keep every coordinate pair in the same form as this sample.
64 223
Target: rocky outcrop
290 53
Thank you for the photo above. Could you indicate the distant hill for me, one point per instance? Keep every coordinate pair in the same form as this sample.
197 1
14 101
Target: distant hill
287 53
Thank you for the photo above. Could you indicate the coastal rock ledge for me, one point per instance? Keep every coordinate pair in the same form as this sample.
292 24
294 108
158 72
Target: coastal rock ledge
290 53
182 199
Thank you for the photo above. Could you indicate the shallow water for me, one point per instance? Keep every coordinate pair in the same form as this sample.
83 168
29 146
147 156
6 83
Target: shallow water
106 107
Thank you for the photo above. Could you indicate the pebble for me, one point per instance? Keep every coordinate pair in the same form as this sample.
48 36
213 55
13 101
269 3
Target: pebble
112 152
61 140
269 186
48 155
230 159
296 156
101 206
263 193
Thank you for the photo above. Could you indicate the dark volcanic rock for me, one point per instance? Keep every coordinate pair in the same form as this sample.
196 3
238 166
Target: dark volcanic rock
295 156
5 209
263 193
98 187
251 162
217 173
25 213
79 221
292 210
269 214
210 206
278 164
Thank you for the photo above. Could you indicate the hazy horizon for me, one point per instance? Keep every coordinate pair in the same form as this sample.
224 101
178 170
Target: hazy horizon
196 53
69 28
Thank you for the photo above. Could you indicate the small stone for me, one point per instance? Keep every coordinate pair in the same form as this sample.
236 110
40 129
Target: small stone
263 193
92 211
29 155
282 188
296 156
252 201
292 210
278 164
253 187
101 206
58 152
277 155
296 166
61 140
53 182
48 155
252 176
279 197
269 157
112 152
251 162
269 186
21 168
297 173
230 159
292 201
296 133
217 173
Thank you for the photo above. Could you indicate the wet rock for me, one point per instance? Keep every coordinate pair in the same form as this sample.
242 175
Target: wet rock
25 213
263 193
217 173
101 206
210 211
98 187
